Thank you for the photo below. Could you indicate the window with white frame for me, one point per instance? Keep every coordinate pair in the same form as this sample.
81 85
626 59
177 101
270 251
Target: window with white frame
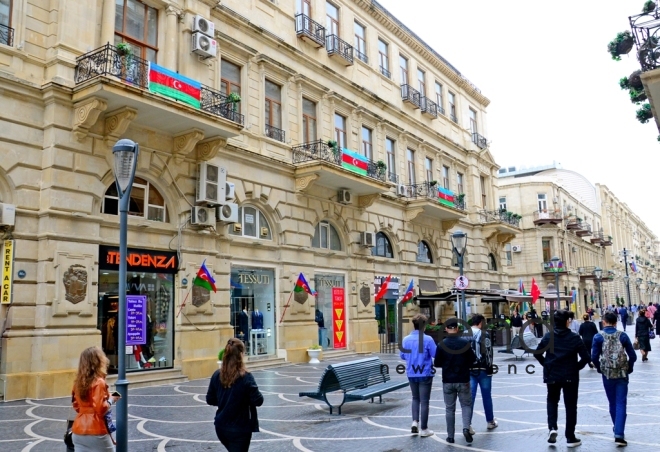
146 201
503 203
410 157
361 42
253 224
367 146
309 121
509 256
424 253
384 58
383 246
428 167
340 130
326 237
543 202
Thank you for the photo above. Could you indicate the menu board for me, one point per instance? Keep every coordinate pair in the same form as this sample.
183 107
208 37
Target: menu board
136 319
339 317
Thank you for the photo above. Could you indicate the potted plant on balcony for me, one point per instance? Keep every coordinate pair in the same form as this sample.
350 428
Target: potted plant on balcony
123 49
460 200
644 113
637 97
648 7
332 144
314 351
381 167
621 45
233 99
433 183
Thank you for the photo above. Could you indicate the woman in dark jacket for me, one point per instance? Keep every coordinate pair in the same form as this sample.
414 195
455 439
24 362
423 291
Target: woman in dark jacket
587 332
656 319
234 391
642 327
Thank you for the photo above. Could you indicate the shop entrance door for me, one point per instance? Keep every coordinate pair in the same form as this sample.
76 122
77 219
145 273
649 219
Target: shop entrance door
323 284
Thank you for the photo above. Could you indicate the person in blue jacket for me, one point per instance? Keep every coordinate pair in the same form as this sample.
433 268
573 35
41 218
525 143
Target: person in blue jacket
419 368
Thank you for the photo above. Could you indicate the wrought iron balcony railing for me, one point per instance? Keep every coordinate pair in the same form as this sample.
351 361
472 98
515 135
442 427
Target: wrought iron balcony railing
319 150
646 33
549 267
430 190
488 216
453 117
6 35
135 71
441 110
480 141
314 31
428 107
274 133
385 72
361 56
337 46
392 177
410 94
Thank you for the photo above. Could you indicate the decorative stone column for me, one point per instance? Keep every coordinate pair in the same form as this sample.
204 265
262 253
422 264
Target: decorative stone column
171 48
108 23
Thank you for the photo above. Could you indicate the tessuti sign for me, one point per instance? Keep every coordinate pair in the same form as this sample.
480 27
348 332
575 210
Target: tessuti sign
7 269
461 282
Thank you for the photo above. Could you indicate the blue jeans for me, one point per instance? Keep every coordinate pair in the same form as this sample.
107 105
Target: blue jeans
421 394
616 390
483 380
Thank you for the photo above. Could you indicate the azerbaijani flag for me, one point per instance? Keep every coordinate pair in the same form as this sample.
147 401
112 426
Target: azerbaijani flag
521 287
353 161
204 278
445 197
410 293
301 285
633 266
170 84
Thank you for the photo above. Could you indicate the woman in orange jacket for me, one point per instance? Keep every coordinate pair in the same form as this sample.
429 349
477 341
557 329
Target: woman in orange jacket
91 400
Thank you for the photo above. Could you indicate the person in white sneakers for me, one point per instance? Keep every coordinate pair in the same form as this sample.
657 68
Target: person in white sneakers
481 374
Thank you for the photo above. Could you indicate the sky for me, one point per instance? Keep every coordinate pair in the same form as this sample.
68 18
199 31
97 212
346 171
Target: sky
553 87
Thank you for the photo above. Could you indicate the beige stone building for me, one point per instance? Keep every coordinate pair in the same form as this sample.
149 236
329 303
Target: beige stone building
410 165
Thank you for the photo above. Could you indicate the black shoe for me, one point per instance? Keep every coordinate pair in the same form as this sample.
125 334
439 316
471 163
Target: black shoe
468 435
450 440
620 442
552 436
573 442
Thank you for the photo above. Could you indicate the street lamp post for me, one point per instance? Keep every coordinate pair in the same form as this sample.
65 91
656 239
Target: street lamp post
598 272
125 154
555 264
627 277
458 242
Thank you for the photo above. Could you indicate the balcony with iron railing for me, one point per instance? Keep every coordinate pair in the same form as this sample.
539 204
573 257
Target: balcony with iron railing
500 216
597 237
392 177
646 33
106 73
339 49
479 140
551 268
385 72
6 35
584 231
428 107
453 117
441 110
360 56
275 133
548 217
310 31
607 240
410 95
433 201
587 273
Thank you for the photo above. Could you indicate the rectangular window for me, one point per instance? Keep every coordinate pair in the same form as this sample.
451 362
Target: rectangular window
390 148
438 97
445 177
383 58
428 166
459 183
473 121
410 156
367 147
543 202
273 105
502 202
547 251
509 256
5 18
137 25
403 65
361 42
230 79
421 80
331 19
304 7
482 183
340 130
309 121
452 106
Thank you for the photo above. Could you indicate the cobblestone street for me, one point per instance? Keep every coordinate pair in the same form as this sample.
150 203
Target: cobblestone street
176 417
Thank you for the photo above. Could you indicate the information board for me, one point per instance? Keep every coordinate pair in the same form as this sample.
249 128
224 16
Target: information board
338 317
136 319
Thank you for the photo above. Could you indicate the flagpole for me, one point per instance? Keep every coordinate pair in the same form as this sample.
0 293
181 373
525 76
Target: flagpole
184 302
286 306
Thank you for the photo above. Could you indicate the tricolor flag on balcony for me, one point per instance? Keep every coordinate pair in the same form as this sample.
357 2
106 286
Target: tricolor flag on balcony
353 161
168 83
446 197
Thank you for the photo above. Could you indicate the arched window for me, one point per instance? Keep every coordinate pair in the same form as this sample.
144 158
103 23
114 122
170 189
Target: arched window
492 262
424 253
252 223
383 246
146 201
326 237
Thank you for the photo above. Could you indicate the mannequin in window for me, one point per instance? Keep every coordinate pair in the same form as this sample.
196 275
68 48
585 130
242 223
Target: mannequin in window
257 320
244 326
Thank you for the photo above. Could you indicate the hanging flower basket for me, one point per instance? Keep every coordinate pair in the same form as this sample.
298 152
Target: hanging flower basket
635 80
644 114
637 97
621 45
649 7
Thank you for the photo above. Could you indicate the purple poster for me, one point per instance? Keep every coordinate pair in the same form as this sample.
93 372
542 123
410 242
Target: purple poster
136 319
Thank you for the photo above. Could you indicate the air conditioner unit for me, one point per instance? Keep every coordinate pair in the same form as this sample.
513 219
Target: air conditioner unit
202 216
211 184
516 248
344 196
368 239
7 214
202 25
204 46
401 190
228 213
555 200
230 192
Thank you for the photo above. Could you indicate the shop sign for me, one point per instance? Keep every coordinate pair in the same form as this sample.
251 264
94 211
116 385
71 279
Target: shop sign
327 282
136 319
339 317
252 278
7 266
139 260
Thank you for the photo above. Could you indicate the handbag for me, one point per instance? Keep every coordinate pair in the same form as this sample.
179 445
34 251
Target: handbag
651 334
68 436
636 344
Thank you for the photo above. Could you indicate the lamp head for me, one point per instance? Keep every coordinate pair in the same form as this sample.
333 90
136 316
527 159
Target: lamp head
458 241
598 272
125 153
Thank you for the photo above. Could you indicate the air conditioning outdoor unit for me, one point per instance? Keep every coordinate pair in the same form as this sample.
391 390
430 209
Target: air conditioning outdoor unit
202 25
7 214
204 46
368 239
344 196
516 248
211 184
228 213
230 192
401 190
202 216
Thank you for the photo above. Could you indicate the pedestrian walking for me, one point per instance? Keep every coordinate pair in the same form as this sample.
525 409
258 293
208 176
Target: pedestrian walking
233 390
650 311
609 351
419 368
587 332
91 400
529 333
561 374
455 356
574 325
516 323
642 327
481 374
623 313
656 320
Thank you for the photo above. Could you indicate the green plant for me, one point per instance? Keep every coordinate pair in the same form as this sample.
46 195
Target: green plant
332 144
644 113
620 45
381 165
648 7
124 49
315 347
221 354
433 183
233 98
624 83
636 97
658 138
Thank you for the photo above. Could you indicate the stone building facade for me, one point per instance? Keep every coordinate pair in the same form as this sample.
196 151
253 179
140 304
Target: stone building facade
410 166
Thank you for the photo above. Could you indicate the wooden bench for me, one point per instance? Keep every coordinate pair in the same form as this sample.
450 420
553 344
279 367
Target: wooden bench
362 379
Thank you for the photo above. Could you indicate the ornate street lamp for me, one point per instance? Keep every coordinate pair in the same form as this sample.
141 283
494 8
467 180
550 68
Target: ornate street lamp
458 242
598 272
125 153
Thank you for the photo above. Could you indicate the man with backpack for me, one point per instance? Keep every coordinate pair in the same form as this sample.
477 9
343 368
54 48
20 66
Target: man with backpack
608 353
481 373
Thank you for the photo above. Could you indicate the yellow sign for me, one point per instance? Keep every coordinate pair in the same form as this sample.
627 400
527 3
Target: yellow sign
339 324
340 335
7 266
339 312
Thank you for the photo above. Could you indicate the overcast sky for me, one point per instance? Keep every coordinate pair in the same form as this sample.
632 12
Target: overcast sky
553 87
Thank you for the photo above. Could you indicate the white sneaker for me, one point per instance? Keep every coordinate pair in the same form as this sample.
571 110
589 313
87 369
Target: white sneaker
415 428
426 432
552 436
471 430
492 425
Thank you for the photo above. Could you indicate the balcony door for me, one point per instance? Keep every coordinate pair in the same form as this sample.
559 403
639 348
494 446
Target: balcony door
543 202
304 7
332 19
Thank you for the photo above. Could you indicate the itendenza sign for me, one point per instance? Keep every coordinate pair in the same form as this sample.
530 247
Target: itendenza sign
139 260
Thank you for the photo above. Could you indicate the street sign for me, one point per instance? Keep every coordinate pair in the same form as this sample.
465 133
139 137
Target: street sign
461 282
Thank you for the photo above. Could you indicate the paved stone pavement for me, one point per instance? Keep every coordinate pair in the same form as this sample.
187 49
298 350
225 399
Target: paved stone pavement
176 418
